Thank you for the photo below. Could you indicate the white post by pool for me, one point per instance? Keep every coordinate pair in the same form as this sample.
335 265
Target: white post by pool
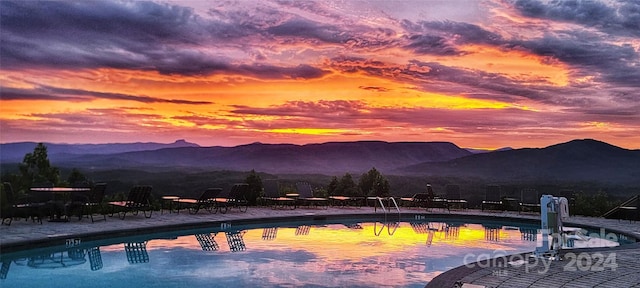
552 211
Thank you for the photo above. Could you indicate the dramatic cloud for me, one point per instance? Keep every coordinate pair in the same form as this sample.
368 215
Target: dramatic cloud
621 18
485 73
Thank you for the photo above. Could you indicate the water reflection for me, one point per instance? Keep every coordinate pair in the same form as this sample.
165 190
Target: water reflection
136 252
269 233
207 241
303 230
235 240
368 254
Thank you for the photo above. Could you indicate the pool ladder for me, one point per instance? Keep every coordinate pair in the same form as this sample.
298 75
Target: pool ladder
385 209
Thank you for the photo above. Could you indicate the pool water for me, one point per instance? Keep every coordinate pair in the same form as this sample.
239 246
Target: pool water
305 254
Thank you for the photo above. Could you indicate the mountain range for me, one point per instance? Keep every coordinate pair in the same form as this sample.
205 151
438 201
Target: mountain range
585 160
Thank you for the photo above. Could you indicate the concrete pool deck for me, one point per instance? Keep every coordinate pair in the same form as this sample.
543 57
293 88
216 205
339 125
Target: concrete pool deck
21 234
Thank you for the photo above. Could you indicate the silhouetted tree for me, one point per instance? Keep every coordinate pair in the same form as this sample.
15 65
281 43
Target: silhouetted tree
36 168
333 186
347 186
255 187
77 178
373 183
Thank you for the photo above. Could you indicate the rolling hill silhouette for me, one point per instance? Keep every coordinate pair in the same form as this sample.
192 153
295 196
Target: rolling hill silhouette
585 160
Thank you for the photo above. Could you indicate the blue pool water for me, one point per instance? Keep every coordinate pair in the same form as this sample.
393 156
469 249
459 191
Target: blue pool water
294 254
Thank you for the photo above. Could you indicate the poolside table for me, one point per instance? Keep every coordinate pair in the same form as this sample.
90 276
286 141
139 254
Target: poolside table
61 197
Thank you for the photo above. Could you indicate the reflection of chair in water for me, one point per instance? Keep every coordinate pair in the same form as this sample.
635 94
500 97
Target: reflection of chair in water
303 230
207 241
5 269
420 228
235 240
492 233
136 252
529 234
95 258
60 259
452 231
269 233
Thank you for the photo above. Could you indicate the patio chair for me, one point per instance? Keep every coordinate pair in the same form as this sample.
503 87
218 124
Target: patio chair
12 207
305 193
206 201
237 197
95 202
492 198
272 196
529 200
454 198
435 201
355 199
137 200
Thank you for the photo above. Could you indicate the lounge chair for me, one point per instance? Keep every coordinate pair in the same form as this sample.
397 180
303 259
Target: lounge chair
529 200
417 200
492 198
627 210
206 201
344 200
305 193
137 200
237 197
436 201
454 198
272 196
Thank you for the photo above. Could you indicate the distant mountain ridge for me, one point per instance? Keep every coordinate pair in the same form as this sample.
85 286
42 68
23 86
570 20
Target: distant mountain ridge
585 160
12 152
330 157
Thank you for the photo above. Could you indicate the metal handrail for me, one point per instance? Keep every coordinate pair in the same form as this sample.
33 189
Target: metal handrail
384 209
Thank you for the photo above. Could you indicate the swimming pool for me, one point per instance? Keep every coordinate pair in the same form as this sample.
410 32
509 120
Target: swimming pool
321 253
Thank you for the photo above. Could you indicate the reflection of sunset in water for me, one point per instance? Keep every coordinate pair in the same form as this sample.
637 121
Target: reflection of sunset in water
337 242
332 255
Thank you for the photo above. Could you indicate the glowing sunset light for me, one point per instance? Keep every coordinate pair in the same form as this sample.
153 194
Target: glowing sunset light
523 73
336 242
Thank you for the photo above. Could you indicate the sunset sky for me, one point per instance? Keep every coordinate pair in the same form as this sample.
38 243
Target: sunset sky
480 74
